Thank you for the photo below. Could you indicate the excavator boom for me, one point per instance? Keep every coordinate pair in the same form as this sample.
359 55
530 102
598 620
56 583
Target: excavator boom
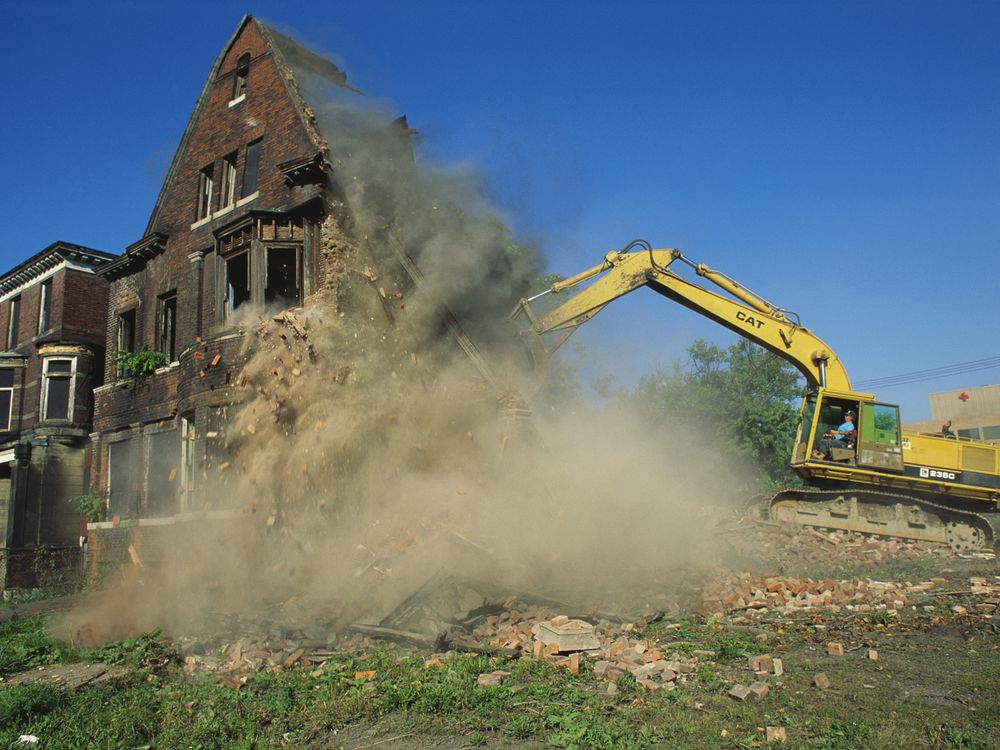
749 315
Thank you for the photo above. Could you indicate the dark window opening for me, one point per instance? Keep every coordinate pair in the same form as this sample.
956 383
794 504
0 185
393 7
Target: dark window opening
14 322
126 331
281 284
6 398
168 325
237 281
242 71
58 393
251 168
204 207
45 306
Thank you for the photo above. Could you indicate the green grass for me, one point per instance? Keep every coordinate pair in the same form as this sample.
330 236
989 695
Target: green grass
927 691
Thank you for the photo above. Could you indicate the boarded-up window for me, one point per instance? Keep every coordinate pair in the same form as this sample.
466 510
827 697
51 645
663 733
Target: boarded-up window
119 477
164 474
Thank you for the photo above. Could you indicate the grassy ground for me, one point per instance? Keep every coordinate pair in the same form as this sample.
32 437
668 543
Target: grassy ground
934 686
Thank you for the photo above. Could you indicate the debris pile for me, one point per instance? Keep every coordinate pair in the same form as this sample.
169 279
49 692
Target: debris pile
755 596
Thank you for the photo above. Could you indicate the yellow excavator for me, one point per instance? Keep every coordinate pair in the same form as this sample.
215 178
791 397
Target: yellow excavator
875 480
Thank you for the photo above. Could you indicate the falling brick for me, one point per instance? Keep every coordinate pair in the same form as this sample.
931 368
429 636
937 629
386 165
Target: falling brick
215 360
872 654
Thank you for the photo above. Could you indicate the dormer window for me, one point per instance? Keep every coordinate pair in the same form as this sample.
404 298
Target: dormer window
240 80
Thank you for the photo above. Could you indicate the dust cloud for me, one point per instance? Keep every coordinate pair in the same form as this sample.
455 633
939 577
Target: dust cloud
367 454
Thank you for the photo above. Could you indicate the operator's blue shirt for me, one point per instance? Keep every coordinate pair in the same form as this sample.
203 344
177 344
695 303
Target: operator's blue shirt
846 427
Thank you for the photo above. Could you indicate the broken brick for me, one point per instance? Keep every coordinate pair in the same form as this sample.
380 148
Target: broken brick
776 734
822 681
740 692
759 689
835 649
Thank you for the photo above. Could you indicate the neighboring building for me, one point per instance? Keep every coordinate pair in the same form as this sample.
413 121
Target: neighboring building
974 413
243 221
53 311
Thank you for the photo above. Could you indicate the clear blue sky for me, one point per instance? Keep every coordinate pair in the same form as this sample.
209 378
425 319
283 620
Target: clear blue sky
842 159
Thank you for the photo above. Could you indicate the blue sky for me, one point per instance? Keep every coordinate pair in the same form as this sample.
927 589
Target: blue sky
841 159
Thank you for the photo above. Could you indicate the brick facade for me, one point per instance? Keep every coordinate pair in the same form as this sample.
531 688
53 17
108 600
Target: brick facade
44 452
156 440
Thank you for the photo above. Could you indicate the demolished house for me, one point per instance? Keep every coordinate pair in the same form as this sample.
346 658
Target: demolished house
246 220
53 310
283 197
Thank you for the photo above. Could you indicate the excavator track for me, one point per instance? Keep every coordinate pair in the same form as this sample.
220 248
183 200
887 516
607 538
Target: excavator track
884 514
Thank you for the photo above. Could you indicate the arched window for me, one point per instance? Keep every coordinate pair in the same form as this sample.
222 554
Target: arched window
242 69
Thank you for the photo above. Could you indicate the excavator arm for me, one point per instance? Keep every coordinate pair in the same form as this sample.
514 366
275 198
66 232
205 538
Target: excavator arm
749 315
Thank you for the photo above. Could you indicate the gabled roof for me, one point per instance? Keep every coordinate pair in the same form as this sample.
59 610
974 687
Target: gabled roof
292 60
42 262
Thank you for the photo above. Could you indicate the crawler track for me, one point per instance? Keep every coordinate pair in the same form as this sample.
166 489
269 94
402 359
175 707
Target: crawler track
884 514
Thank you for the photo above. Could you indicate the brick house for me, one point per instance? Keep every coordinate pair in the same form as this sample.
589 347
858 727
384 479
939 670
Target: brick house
53 310
246 220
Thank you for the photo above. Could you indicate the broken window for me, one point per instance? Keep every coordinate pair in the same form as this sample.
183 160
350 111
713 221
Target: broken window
119 477
14 321
228 195
204 208
6 398
281 284
57 388
167 315
242 70
126 331
45 306
251 168
237 281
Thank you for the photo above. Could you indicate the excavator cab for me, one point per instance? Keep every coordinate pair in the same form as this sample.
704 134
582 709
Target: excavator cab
822 412
876 443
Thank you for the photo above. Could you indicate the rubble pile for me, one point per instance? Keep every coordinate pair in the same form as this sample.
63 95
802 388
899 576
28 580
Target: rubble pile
755 596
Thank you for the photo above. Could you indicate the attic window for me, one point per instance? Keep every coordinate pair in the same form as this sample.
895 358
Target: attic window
240 80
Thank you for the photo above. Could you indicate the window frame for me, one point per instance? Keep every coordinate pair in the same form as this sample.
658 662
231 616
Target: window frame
47 377
228 309
206 184
241 75
133 316
45 306
227 193
251 166
13 321
163 305
10 410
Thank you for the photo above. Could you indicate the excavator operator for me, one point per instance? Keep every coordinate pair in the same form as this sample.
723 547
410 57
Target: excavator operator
843 437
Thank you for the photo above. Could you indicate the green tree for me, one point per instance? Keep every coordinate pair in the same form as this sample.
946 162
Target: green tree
742 399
